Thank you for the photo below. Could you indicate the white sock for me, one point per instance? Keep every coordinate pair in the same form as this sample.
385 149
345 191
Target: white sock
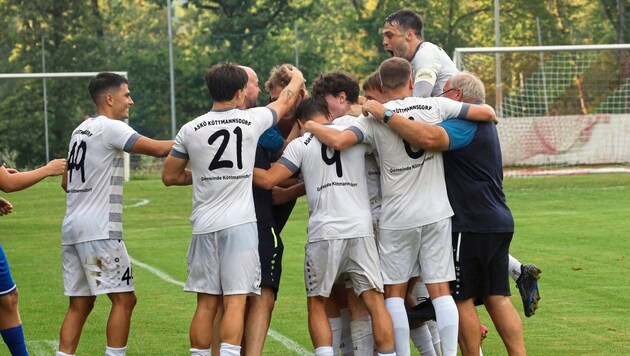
230 350
435 335
59 353
420 292
324 351
514 267
480 352
447 322
362 337
336 326
199 352
422 340
385 353
396 308
345 345
115 351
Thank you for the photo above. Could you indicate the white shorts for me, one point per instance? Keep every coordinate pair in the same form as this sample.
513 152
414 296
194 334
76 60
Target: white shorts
403 251
96 267
326 260
224 262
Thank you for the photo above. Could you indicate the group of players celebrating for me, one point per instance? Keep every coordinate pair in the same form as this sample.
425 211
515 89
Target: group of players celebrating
404 190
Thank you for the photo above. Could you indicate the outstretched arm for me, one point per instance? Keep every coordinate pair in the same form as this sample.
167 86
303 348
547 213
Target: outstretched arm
22 180
269 178
480 112
282 195
335 139
175 172
151 147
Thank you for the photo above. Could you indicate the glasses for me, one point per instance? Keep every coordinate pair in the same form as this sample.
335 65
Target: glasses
447 91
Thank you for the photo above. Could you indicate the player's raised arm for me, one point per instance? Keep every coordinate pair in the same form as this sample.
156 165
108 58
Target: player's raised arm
22 180
269 178
290 93
151 147
335 139
478 112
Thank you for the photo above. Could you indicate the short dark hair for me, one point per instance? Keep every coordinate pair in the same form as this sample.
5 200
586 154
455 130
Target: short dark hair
224 80
311 107
394 72
334 83
105 81
406 19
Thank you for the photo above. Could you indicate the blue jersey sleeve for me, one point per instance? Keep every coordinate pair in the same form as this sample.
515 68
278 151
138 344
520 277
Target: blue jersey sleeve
271 140
460 132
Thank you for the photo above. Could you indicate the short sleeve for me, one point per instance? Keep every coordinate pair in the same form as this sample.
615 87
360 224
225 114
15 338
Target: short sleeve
460 132
292 156
117 134
271 140
179 149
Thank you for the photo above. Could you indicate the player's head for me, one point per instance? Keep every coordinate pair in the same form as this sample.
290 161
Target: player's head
110 93
338 89
465 87
252 90
402 33
372 88
395 73
279 78
312 109
225 80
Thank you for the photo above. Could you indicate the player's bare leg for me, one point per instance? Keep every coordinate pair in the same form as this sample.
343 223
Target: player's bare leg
119 320
216 328
233 321
318 325
382 326
469 331
78 311
258 320
201 324
9 315
508 323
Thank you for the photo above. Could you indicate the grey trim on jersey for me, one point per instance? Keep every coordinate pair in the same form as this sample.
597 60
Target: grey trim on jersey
115 217
357 132
115 199
464 112
178 154
275 116
118 162
416 51
115 235
116 180
285 162
130 142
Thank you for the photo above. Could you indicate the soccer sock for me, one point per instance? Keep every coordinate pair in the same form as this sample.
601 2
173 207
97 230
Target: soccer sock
324 351
230 350
345 345
59 353
396 308
14 338
480 351
447 322
386 353
199 352
435 335
362 338
115 351
514 268
422 340
335 327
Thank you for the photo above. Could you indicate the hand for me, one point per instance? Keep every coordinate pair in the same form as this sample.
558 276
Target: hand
375 108
5 207
56 167
10 170
292 71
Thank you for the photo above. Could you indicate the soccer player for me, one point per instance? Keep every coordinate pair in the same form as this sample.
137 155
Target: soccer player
340 235
415 213
95 259
10 324
482 225
402 37
220 147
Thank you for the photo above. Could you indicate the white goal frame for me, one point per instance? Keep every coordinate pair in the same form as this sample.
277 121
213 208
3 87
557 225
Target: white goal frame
43 76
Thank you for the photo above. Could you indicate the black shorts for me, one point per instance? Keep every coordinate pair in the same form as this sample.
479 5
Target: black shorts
481 265
270 249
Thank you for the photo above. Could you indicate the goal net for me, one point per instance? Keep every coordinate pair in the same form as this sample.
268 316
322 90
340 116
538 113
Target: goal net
559 106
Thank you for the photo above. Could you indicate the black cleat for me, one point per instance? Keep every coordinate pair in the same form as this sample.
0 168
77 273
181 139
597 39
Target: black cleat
421 312
527 284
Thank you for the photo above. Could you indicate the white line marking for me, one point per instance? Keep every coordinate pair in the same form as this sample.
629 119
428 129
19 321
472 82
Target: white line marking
285 341
42 347
140 203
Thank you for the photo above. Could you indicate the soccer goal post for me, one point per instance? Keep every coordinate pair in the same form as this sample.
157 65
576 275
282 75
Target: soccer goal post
45 76
559 106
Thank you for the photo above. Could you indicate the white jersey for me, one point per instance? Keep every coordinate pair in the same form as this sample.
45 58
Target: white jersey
336 188
431 57
371 169
412 180
95 180
221 148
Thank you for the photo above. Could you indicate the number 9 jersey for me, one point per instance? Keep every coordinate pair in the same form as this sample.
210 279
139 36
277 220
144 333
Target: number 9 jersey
95 180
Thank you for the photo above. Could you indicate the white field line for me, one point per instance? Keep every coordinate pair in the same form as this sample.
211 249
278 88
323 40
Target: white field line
285 341
42 347
140 203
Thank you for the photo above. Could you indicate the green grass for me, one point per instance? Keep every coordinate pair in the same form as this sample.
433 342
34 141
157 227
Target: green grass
575 228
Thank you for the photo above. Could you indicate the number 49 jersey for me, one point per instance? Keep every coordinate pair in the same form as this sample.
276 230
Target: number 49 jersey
95 180
336 187
221 149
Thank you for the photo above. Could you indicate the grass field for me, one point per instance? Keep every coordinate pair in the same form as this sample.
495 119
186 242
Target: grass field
576 228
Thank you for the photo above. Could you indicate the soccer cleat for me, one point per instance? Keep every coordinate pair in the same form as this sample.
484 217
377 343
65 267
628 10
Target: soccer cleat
527 284
484 332
423 311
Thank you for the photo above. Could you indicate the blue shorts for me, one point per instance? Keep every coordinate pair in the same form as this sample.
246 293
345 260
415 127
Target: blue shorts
7 285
